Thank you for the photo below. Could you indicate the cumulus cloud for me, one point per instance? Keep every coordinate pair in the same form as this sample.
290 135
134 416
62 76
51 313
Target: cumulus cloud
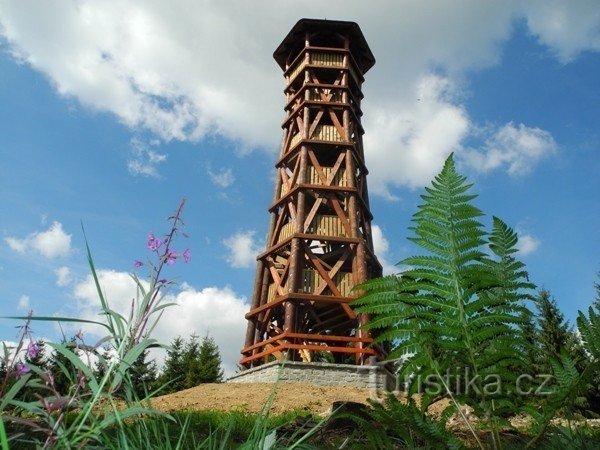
216 310
188 70
408 145
527 244
143 160
23 303
223 178
553 22
63 276
52 243
517 148
242 249
381 246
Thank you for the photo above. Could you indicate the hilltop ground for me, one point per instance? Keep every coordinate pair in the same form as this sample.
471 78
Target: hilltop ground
251 397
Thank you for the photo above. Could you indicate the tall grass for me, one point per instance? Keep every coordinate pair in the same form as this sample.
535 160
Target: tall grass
105 411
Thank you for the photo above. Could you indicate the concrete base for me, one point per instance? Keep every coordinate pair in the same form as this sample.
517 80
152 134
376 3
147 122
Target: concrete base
322 374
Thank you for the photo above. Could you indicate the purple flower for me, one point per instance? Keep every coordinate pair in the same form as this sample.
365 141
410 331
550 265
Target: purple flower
137 263
79 335
20 370
171 256
163 281
187 255
33 349
153 243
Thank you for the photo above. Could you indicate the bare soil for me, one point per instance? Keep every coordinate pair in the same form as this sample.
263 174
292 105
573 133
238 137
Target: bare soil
250 397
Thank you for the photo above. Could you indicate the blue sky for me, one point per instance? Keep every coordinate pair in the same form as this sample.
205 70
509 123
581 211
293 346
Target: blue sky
111 113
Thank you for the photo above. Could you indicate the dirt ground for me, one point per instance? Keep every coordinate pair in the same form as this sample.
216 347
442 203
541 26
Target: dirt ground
250 397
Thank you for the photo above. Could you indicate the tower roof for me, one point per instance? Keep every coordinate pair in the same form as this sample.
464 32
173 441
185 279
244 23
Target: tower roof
358 44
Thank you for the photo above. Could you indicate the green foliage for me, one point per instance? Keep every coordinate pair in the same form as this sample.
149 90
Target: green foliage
173 373
455 310
191 363
397 424
589 327
142 375
529 333
553 330
62 368
596 303
209 362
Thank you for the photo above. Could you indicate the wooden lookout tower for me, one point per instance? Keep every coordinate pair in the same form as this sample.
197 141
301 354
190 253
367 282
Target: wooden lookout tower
319 244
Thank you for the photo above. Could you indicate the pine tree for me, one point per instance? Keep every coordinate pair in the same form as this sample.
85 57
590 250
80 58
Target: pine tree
596 304
191 362
143 375
210 362
62 369
102 363
529 333
173 373
553 329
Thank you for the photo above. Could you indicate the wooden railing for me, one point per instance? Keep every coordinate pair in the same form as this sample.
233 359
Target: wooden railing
286 231
326 225
338 180
326 133
327 59
315 95
311 281
324 59
274 346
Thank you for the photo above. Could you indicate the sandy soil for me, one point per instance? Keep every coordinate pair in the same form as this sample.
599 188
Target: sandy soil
251 397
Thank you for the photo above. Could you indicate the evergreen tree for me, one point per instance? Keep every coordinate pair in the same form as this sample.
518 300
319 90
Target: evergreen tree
553 329
143 375
529 333
210 362
191 362
173 372
101 366
3 371
596 304
62 369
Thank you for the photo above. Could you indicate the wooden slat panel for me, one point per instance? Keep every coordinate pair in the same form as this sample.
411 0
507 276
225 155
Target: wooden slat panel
286 231
327 59
338 180
326 133
311 280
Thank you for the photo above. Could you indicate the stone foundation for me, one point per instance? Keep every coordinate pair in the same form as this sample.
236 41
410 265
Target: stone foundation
322 374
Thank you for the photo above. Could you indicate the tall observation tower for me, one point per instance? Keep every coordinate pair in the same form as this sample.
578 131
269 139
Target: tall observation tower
320 242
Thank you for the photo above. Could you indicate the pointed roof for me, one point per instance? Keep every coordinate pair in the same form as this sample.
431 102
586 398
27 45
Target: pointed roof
358 44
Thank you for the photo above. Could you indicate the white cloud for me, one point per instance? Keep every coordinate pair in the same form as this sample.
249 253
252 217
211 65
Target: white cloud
518 148
527 244
216 310
52 243
143 160
408 145
63 276
188 70
223 178
243 249
567 28
381 246
23 303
